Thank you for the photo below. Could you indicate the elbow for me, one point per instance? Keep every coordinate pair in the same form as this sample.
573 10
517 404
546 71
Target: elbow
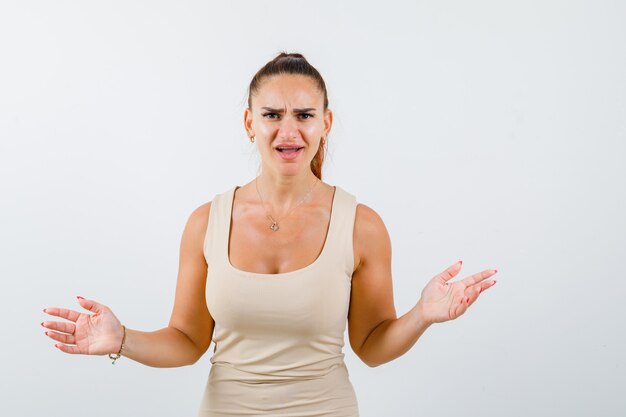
373 364
368 362
195 358
192 362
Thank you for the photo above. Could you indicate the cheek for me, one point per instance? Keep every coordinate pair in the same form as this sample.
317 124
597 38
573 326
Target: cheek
313 132
265 129
313 139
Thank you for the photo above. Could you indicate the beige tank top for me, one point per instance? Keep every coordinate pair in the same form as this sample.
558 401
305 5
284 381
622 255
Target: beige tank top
280 326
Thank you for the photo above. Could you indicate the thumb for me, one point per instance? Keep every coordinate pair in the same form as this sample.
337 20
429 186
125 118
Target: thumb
91 305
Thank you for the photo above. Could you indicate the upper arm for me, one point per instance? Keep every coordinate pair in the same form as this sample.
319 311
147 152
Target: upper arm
371 300
190 314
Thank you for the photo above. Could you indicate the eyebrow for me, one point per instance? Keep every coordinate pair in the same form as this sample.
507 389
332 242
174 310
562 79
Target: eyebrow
307 109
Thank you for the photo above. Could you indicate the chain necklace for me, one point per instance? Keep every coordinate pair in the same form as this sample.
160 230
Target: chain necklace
274 225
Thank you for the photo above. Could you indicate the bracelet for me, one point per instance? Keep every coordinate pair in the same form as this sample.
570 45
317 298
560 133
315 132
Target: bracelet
116 356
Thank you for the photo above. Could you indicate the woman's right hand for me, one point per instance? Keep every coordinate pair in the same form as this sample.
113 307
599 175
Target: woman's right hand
88 334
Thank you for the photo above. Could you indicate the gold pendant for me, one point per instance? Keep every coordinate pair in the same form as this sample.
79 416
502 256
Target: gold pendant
274 226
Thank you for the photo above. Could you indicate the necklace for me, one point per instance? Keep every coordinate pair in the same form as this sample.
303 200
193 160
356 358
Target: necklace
274 224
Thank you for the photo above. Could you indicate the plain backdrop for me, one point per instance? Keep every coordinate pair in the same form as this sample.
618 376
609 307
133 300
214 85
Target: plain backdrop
487 131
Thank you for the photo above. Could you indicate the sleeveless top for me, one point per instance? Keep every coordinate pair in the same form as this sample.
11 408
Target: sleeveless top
286 326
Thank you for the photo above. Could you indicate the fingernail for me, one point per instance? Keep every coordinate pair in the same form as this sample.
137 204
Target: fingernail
495 270
42 323
78 296
494 282
44 310
460 262
46 333
481 290
467 301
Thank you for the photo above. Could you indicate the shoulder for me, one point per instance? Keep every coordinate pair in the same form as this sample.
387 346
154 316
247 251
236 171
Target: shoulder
199 216
200 213
367 220
197 223
370 234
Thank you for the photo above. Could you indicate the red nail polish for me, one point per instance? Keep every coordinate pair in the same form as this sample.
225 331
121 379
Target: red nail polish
460 262
496 270
481 290
44 310
494 282
467 301
46 333
42 323
78 296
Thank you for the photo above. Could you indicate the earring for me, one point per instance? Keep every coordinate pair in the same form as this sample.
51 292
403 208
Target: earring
252 139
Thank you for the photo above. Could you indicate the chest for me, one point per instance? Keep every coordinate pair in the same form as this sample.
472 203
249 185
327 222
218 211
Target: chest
254 247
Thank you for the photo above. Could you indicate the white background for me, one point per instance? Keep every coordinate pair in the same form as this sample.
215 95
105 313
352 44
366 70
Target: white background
488 131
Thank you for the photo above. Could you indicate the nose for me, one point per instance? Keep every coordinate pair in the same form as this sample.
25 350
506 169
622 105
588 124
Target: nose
288 128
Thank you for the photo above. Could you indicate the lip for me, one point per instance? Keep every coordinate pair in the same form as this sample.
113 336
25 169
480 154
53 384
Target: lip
288 145
289 156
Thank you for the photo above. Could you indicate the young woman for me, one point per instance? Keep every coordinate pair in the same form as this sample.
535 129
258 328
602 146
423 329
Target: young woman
271 271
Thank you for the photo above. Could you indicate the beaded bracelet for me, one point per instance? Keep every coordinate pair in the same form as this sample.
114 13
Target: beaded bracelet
116 356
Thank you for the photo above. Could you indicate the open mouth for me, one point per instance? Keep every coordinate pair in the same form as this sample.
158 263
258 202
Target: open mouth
288 150
289 153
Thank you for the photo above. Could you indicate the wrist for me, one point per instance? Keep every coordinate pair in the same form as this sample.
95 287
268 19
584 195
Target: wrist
122 339
421 315
116 355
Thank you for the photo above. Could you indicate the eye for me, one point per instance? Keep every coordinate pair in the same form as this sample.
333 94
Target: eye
269 114
306 114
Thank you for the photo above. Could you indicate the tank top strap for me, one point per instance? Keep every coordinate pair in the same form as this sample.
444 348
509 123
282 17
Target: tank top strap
218 225
341 241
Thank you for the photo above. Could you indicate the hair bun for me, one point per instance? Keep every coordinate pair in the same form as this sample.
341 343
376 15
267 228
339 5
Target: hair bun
295 55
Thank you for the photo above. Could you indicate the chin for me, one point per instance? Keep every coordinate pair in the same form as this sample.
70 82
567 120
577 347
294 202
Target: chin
289 170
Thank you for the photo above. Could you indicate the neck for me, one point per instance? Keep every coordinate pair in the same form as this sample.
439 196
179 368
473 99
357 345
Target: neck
282 192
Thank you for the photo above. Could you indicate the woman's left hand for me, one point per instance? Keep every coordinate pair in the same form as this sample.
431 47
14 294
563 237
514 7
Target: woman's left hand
442 300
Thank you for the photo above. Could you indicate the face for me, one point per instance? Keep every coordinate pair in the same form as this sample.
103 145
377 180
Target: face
288 121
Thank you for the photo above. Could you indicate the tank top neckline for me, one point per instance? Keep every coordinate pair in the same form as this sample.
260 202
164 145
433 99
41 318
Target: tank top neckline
329 234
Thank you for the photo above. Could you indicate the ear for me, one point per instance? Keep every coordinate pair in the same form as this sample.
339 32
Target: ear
328 121
247 121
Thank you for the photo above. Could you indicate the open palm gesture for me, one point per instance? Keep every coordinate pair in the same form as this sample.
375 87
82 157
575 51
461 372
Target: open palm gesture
88 334
442 300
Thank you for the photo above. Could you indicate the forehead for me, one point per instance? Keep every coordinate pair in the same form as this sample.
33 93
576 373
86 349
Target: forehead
290 90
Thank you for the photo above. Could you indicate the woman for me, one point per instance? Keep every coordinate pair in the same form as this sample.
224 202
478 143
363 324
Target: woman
271 270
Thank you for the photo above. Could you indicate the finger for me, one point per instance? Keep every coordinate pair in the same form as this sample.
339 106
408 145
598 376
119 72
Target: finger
62 337
486 285
473 292
67 348
478 277
450 272
456 311
91 305
462 306
61 326
64 313
456 306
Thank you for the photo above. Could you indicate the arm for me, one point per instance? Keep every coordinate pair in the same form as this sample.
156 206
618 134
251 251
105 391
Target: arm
376 334
190 329
393 337
185 339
